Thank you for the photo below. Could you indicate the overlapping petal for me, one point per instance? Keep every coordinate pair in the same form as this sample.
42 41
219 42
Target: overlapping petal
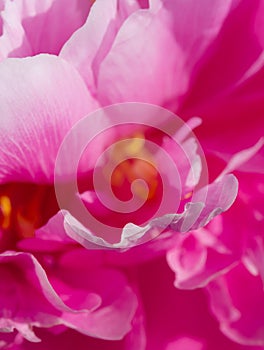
31 298
85 51
28 28
237 302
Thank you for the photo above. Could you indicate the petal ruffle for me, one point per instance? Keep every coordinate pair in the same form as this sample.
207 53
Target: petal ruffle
93 306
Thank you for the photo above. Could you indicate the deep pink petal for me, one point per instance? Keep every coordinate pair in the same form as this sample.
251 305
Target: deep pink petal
27 297
235 88
237 302
105 300
172 314
48 238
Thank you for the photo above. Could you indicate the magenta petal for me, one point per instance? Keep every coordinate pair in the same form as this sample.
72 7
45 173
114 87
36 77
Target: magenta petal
48 238
26 296
103 301
94 306
236 89
245 160
237 302
40 99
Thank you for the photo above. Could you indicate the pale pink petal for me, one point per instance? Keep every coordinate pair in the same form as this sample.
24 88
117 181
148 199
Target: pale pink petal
44 32
40 99
220 195
199 257
214 199
88 46
12 36
136 69
30 27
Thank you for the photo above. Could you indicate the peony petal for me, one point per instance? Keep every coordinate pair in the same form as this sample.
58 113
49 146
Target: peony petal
219 196
26 295
205 19
40 99
105 302
12 36
29 28
237 302
243 160
88 46
136 65
87 305
48 238
184 314
43 31
200 257
236 89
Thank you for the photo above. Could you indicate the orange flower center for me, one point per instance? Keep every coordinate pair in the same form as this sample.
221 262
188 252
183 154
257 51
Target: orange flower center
131 160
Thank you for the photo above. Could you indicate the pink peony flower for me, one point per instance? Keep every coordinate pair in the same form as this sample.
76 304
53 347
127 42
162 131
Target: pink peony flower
64 280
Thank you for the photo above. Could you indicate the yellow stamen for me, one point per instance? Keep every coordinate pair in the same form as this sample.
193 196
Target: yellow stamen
135 146
188 195
6 208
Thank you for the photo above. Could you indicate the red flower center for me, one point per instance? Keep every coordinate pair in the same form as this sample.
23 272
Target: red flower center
24 207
